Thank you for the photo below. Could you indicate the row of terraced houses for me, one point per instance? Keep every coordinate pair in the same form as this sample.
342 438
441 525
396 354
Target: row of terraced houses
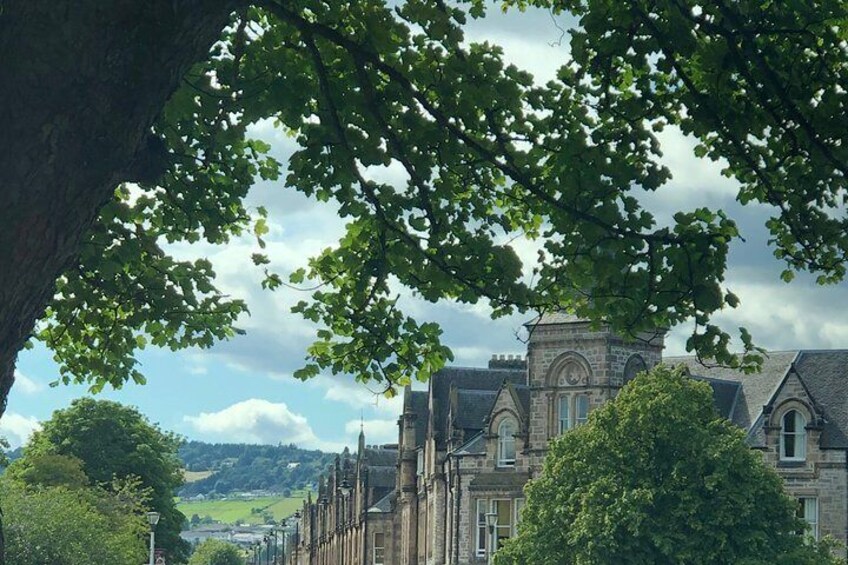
467 446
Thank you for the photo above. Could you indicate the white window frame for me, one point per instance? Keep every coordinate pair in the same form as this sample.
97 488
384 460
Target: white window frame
564 416
382 548
798 437
581 416
809 512
505 440
517 504
481 540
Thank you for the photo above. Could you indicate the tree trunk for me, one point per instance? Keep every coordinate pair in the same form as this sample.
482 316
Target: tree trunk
80 85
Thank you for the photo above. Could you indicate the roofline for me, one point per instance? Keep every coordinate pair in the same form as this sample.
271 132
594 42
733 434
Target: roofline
456 451
779 385
481 369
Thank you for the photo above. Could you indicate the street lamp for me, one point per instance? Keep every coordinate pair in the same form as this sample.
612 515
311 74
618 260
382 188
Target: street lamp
491 522
346 490
152 519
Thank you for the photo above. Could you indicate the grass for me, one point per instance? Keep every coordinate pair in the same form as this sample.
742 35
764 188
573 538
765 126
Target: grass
238 510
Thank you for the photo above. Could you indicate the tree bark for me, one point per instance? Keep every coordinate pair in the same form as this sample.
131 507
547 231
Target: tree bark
81 83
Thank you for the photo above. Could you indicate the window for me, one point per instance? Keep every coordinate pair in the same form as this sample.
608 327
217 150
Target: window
379 548
481 527
507 512
519 504
564 420
808 510
582 409
419 464
503 529
634 366
793 437
506 443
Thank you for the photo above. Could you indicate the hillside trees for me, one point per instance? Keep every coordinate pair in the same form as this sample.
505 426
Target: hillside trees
162 93
117 442
657 476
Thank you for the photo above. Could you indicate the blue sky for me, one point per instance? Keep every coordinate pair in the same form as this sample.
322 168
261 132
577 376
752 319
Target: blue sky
242 390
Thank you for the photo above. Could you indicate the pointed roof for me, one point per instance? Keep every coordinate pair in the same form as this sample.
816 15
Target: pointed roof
757 388
824 375
466 379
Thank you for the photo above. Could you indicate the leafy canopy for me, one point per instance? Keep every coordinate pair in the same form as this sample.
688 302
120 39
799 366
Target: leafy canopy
216 552
117 442
49 470
488 155
657 476
72 526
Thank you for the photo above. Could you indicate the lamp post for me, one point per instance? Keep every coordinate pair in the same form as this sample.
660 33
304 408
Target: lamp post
491 522
296 543
346 490
152 519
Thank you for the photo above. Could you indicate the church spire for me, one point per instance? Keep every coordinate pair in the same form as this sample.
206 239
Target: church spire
361 436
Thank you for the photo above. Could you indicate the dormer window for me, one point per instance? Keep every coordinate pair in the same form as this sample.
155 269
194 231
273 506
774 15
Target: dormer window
506 443
793 437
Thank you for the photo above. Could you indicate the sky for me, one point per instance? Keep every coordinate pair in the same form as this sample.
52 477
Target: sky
243 390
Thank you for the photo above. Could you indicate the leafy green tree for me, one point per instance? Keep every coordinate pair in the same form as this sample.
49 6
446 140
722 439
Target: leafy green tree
79 526
488 155
117 442
49 470
657 476
216 552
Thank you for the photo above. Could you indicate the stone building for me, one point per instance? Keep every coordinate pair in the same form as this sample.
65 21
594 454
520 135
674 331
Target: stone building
468 445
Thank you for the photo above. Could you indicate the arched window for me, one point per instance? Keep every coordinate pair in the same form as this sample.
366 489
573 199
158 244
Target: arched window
793 437
506 443
634 366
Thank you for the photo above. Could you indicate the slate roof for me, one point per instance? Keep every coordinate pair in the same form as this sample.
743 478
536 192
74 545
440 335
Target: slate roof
476 445
825 374
472 407
382 477
384 504
465 378
381 456
725 395
757 388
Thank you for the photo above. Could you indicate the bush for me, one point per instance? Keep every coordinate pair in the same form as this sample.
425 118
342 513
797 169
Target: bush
216 552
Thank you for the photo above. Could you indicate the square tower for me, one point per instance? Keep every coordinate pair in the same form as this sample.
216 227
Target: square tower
575 366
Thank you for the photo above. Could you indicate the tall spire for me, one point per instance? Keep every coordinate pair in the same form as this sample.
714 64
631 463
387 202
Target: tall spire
361 437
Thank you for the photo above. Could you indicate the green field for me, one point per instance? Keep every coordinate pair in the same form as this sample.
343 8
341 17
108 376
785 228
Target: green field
238 510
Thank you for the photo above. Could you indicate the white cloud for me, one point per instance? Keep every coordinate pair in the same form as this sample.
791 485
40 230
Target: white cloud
258 421
377 432
356 395
27 385
17 428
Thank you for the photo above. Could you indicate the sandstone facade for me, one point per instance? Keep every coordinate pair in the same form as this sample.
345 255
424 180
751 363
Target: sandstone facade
468 445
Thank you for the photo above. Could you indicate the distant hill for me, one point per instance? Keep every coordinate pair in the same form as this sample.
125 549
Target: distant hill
241 467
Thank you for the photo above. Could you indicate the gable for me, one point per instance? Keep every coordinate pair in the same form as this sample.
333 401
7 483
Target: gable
825 376
757 389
